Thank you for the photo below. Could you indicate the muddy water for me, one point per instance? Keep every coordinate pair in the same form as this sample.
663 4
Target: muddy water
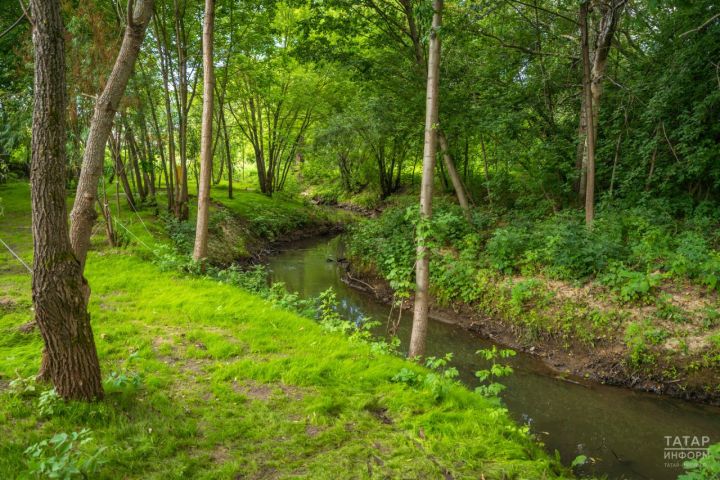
625 432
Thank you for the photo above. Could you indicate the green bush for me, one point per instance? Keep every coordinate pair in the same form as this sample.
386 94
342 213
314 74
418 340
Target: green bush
640 338
630 285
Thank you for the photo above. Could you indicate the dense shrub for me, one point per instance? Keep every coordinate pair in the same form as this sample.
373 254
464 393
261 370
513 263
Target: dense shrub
630 249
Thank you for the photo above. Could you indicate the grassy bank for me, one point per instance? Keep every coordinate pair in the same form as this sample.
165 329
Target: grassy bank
634 301
245 227
207 381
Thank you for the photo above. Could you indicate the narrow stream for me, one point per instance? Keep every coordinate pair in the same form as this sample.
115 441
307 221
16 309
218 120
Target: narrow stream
624 431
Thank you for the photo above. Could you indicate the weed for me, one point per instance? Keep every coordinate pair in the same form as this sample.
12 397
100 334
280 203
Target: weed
65 456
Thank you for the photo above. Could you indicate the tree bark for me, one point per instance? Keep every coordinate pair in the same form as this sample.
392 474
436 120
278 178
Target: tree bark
69 358
83 213
206 137
453 174
174 178
422 273
610 12
590 164
228 153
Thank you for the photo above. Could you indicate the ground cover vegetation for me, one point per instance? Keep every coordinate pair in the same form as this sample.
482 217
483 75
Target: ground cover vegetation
205 379
564 154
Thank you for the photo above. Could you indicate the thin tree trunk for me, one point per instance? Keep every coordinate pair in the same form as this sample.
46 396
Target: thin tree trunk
422 273
610 12
206 137
120 171
70 359
227 153
453 174
487 170
590 166
83 213
133 155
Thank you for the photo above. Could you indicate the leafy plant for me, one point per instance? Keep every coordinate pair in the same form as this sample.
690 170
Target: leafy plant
489 386
23 386
630 285
640 337
65 456
437 381
123 380
705 468
49 402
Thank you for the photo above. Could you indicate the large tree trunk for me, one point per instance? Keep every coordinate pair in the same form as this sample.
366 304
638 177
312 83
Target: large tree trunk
206 137
69 358
83 213
422 273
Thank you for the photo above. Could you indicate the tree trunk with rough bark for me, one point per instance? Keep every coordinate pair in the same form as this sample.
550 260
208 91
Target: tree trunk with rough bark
422 273
69 358
83 213
206 137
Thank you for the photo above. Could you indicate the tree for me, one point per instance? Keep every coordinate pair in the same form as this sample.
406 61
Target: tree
588 100
70 359
201 230
83 213
422 273
609 12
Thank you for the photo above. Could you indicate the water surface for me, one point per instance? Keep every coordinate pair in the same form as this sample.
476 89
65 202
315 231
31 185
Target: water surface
624 431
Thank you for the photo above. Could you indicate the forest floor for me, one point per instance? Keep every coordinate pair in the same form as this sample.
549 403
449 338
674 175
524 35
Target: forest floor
204 380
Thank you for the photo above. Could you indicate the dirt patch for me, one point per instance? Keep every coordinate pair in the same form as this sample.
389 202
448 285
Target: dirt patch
7 304
254 390
312 431
266 391
220 454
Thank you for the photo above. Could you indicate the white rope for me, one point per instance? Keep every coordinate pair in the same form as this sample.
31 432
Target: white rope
135 236
16 256
140 218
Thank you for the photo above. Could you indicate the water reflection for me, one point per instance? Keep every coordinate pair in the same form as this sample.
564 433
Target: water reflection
623 431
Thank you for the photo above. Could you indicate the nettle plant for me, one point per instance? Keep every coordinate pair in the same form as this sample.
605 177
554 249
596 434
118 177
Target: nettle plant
490 387
706 468
437 381
65 456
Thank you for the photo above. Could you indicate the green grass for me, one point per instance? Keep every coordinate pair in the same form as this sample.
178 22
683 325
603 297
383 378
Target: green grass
234 388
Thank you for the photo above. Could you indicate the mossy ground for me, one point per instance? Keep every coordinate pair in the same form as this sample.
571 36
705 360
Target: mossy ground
234 388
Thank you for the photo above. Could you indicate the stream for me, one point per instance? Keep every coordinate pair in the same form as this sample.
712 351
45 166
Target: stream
623 431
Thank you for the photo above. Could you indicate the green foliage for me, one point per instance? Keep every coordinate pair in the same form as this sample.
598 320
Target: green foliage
437 380
65 456
49 402
640 338
490 387
630 285
705 468
23 386
208 350
119 381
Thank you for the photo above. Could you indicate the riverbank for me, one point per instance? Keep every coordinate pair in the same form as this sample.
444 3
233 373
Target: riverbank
205 380
653 332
